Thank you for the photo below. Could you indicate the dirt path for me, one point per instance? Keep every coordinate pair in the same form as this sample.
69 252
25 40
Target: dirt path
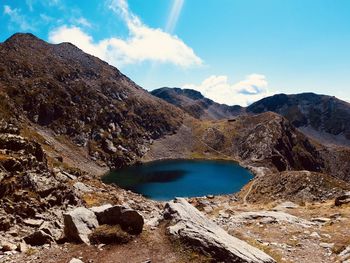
248 192
151 246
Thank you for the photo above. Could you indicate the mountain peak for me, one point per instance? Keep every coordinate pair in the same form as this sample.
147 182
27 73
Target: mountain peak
22 37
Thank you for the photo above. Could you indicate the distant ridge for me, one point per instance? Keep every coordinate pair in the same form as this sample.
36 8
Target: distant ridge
194 103
322 117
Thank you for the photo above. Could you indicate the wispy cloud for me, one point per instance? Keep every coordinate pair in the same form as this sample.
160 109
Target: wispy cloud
245 92
16 18
143 43
83 22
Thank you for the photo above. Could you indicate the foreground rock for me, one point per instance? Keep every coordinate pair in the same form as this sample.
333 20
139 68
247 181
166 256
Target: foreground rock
79 223
130 220
192 227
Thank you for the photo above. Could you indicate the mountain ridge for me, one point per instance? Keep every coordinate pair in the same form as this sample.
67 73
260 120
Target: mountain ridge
314 114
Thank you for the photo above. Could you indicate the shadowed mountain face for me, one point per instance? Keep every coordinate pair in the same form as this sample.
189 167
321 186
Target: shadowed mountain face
195 104
316 115
77 95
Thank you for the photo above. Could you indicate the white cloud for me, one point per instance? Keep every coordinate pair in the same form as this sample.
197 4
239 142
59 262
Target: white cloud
143 43
245 92
17 18
77 37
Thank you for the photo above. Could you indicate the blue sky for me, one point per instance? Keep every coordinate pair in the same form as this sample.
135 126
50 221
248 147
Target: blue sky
233 51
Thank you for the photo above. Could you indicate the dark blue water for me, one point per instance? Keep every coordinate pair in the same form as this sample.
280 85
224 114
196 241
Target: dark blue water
164 180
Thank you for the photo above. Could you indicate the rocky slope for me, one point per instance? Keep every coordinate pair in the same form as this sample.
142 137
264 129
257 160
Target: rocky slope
321 114
195 104
79 96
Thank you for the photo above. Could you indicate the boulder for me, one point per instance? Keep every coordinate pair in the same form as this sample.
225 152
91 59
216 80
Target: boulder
33 222
130 220
342 199
193 228
39 238
107 214
79 223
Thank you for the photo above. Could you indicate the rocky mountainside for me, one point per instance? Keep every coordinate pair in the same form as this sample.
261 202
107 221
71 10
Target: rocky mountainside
77 95
195 104
324 117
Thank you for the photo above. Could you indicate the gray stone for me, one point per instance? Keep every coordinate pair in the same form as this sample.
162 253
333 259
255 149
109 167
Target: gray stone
22 247
345 254
285 205
109 146
79 223
107 214
75 260
343 199
82 187
327 245
192 227
278 216
33 222
322 220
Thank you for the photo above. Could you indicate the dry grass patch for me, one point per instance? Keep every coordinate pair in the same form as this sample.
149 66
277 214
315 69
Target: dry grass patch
106 234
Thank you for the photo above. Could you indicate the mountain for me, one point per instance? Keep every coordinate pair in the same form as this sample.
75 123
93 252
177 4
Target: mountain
195 104
78 96
324 117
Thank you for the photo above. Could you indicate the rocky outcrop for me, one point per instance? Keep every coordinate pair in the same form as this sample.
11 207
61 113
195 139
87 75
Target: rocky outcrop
193 228
269 217
270 138
296 186
79 224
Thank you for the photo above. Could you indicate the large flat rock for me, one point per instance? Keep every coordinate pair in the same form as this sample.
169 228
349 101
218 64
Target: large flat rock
193 228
